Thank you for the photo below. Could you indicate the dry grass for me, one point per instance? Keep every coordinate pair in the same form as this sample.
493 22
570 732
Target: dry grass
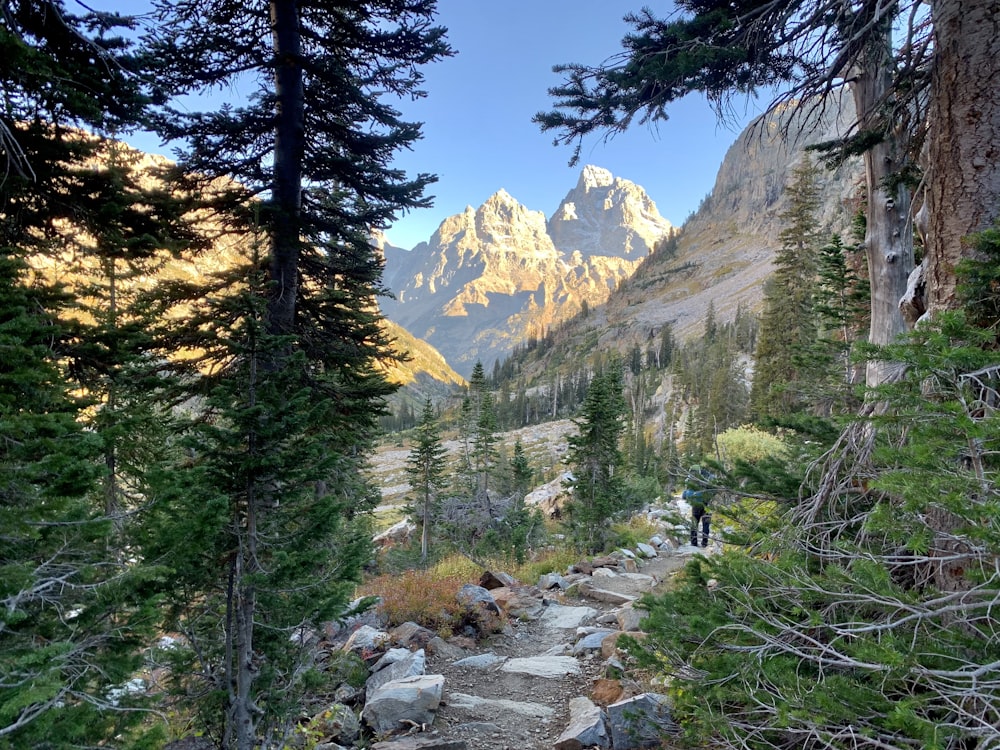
418 596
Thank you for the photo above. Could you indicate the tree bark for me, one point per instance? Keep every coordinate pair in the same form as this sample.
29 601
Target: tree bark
963 170
289 148
889 233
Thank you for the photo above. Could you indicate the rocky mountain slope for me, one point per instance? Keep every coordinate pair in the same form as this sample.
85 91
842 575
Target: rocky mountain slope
492 277
725 251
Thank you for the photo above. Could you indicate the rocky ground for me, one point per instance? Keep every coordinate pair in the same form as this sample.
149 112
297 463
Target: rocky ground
513 690
502 705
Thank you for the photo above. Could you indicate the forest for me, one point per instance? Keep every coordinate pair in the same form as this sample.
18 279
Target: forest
192 373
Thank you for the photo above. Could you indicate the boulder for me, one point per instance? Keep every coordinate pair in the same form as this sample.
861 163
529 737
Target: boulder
646 550
586 727
399 534
603 595
591 642
472 596
609 646
402 703
367 640
497 706
338 724
630 618
548 581
411 664
411 635
606 691
431 741
562 616
496 580
520 603
480 661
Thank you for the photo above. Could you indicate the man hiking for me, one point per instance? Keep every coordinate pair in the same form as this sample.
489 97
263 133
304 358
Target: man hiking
697 495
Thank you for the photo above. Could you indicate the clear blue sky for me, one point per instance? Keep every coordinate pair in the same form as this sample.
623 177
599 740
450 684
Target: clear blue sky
478 134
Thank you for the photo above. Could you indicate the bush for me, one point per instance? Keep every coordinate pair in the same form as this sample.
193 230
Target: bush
750 445
418 596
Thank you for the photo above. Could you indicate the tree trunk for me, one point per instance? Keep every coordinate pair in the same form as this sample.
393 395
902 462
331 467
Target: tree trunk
963 170
289 148
889 234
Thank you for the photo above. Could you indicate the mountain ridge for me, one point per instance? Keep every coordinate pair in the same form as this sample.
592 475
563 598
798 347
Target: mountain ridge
491 277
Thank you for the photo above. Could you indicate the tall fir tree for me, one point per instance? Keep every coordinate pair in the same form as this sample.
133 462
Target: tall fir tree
597 462
425 466
789 324
76 614
289 339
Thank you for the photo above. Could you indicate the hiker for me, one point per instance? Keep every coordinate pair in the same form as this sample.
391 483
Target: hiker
696 494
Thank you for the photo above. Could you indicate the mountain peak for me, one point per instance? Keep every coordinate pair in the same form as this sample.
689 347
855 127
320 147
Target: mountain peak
594 177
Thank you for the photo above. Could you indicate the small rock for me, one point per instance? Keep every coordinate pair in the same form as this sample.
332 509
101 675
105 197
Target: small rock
606 691
646 550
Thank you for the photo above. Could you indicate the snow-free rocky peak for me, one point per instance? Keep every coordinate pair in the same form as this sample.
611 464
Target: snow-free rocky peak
607 215
490 277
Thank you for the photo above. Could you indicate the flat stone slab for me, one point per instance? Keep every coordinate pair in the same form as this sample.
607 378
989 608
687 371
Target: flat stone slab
480 661
543 666
603 595
561 616
487 708
424 742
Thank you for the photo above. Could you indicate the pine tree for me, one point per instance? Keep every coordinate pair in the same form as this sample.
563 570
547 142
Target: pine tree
426 469
286 339
76 615
789 323
595 455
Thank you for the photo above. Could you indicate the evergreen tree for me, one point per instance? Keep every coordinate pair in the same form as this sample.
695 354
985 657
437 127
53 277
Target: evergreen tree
426 467
597 462
867 622
789 323
286 340
76 615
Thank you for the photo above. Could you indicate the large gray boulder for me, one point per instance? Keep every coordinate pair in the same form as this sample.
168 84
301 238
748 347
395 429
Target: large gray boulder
410 664
401 704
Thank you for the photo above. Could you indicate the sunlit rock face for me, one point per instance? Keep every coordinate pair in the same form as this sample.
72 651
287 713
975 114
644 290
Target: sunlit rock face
492 277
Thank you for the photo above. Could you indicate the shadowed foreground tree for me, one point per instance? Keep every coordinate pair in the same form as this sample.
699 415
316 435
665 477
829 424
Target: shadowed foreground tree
286 342
866 625
74 616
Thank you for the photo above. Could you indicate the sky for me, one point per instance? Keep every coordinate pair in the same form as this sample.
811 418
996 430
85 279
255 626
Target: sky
477 131
478 134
